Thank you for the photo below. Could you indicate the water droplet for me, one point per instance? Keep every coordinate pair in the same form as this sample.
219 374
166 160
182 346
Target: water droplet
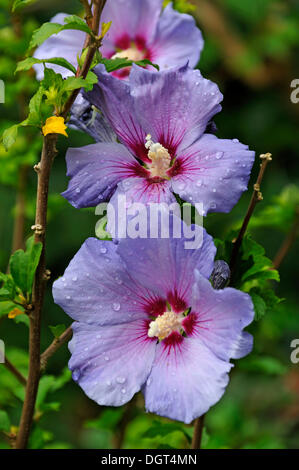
123 390
78 190
219 155
120 380
103 250
106 358
116 306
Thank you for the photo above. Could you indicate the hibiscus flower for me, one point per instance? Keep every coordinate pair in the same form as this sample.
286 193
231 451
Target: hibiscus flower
147 318
140 30
161 121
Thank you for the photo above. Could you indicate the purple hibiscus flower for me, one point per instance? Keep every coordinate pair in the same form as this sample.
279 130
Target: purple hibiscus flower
139 30
160 120
147 318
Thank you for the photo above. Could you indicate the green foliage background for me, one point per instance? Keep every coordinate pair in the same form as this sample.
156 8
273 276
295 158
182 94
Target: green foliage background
251 51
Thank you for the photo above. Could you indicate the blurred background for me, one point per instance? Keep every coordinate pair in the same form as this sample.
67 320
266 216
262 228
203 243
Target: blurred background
251 51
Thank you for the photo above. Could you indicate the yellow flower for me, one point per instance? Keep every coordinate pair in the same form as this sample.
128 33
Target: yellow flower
54 125
14 313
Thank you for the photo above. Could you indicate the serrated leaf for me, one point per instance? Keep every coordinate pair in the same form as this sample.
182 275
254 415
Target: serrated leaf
57 330
28 63
23 265
115 64
48 29
259 306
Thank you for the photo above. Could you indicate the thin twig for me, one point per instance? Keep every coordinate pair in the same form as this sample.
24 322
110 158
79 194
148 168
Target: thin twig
198 431
255 198
287 243
44 169
54 346
9 366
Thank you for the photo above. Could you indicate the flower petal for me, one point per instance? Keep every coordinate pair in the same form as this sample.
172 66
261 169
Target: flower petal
68 44
177 40
130 19
111 363
221 317
214 172
164 263
185 381
95 171
96 287
85 118
112 97
174 106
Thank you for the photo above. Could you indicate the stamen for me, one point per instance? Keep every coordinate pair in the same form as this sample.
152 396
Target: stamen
165 324
131 54
159 156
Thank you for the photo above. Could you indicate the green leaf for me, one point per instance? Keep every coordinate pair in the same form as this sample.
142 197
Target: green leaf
281 213
50 384
8 288
43 33
6 307
9 136
20 4
253 272
259 305
57 330
23 265
48 29
163 429
119 63
4 421
27 64
263 364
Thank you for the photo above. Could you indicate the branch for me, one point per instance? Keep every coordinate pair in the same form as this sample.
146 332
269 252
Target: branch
93 46
255 198
44 169
9 366
198 430
54 346
287 243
